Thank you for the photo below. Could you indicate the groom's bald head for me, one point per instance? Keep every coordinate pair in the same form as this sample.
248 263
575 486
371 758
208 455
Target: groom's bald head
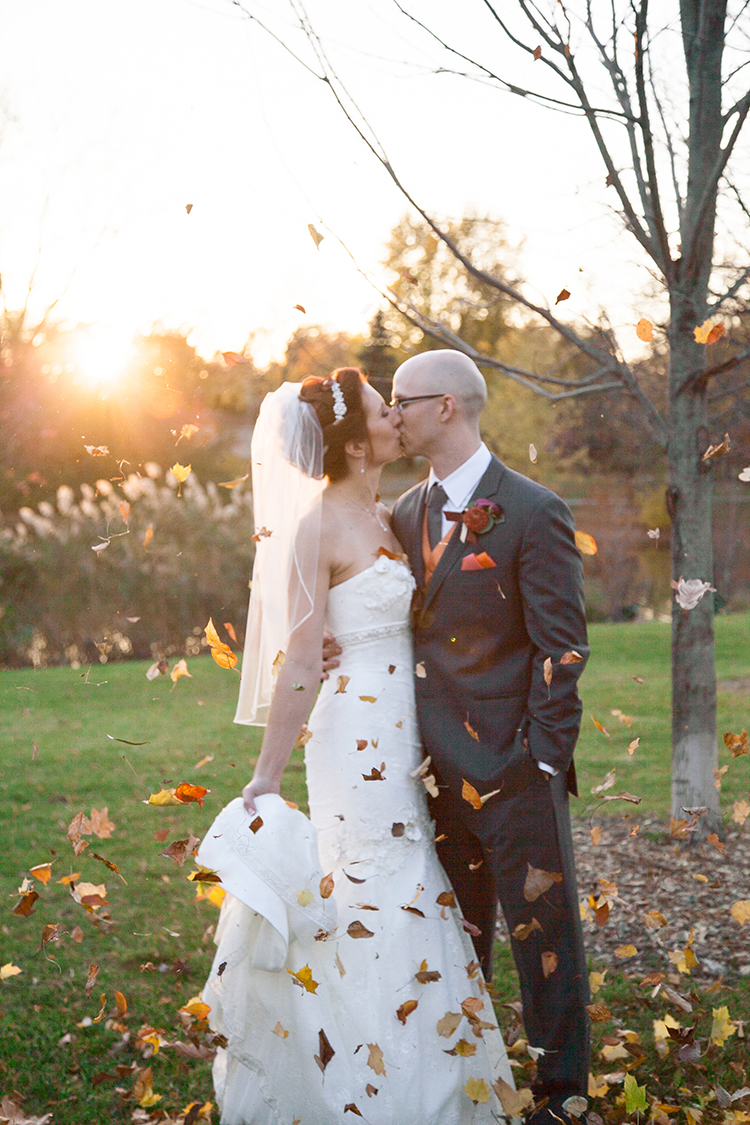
443 372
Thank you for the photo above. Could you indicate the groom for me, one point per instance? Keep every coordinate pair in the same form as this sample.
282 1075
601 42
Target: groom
500 596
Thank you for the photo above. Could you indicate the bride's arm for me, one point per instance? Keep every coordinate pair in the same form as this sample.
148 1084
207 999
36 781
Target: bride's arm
294 695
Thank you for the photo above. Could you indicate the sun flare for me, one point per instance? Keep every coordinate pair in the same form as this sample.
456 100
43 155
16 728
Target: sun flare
102 356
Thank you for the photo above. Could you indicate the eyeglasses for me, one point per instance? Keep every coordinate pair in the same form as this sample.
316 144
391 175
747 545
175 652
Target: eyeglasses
400 403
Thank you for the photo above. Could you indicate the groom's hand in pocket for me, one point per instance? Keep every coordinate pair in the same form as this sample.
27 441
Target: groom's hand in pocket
331 649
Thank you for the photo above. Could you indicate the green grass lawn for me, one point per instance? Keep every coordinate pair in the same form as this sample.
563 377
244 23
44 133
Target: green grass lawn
59 755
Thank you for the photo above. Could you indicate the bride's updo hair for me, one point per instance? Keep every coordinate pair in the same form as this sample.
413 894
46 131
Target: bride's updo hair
339 425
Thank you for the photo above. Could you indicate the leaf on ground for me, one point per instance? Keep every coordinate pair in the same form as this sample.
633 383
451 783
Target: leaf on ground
538 881
447 1025
740 911
9 970
635 1095
625 952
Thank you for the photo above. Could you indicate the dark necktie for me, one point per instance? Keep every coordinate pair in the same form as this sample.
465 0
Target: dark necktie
435 504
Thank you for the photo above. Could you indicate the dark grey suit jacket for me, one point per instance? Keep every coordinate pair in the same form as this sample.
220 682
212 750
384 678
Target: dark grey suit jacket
483 635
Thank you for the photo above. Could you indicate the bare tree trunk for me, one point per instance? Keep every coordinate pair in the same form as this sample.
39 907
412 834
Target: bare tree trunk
689 496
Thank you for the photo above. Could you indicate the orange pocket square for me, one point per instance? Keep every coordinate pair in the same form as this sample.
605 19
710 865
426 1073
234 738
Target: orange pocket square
477 562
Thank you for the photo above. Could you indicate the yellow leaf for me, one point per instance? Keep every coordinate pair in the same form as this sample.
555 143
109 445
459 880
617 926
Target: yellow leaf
162 798
305 897
42 872
224 657
586 543
633 746
597 1086
180 669
212 636
305 978
740 911
464 1049
9 970
144 1089
596 834
644 330
186 432
625 952
701 332
375 1059
420 670
211 892
149 535
181 472
740 811
195 1007
477 1090
596 980
469 794
654 920
611 773
365 698
612 1052
722 1027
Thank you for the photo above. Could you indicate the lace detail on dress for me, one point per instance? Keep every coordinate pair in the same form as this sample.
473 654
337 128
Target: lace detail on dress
391 579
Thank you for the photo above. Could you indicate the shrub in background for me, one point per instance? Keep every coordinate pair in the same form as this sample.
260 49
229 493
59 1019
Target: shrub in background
160 570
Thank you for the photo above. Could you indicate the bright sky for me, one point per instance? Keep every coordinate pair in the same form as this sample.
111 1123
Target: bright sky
122 114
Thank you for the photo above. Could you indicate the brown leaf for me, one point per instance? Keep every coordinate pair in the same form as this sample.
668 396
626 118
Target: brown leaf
413 910
326 886
471 730
713 839
161 835
25 904
350 1107
427 976
446 898
376 775
717 450
406 1010
398 829
571 657
596 834
599 1013
737 744
108 864
515 1103
448 1024
326 1051
341 682
93 973
300 308
716 333
371 1090
563 295
538 881
524 929
79 826
549 962
469 793
375 1059
548 670
179 850
362 743
356 929
537 53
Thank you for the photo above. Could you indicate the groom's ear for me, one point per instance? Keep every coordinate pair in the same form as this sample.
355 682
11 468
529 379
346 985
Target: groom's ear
447 408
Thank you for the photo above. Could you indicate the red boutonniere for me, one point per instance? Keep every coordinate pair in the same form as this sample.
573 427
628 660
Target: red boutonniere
477 520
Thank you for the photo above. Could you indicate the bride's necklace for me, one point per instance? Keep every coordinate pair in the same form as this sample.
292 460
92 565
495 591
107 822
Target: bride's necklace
370 511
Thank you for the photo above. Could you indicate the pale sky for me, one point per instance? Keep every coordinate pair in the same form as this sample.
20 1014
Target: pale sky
119 115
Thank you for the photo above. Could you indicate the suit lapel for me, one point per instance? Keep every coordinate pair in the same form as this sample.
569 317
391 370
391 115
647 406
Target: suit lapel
486 489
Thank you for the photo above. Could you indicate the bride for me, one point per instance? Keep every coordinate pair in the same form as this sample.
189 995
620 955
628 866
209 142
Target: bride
343 980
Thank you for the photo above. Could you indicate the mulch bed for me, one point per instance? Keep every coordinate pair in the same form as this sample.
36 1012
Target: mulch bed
653 872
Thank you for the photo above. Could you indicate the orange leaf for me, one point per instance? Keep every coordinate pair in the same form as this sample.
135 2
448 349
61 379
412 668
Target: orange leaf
586 543
537 53
326 886
125 511
122 1005
230 629
149 535
224 657
42 872
644 330
186 792
599 726
233 483
101 825
563 295
571 657
406 1010
233 359
737 743
716 333
471 730
469 793
180 669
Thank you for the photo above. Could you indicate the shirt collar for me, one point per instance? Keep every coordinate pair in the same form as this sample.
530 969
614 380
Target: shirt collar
460 484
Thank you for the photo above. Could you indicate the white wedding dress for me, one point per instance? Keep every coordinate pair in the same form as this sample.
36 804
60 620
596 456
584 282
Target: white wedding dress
395 1007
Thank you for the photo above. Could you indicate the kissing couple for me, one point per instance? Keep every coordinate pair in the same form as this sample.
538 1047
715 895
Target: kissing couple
354 946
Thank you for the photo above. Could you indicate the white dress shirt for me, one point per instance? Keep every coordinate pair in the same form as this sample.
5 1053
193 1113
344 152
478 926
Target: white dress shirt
459 488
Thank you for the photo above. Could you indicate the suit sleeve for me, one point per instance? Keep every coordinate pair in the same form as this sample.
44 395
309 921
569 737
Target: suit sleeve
551 582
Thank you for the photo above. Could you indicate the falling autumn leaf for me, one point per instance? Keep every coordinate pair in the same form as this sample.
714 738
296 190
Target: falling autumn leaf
524 929
24 906
471 730
596 834
188 207
42 872
469 793
179 850
644 330
547 670
537 53
187 432
719 450
737 744
9 970
357 930
420 671
586 543
515 1103
375 1059
233 483
563 295
718 774
571 657
230 629
446 898
315 235
125 511
341 682
181 472
477 1090
233 359
100 823
351 1107
538 881
180 669
406 1010
280 1030
740 811
326 1051
376 775
532 453
304 979
224 657
599 726
447 1025
300 308
149 535
549 962
633 746
97 450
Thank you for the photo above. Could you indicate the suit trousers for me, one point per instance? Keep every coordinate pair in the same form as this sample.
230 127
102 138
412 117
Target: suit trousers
500 842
